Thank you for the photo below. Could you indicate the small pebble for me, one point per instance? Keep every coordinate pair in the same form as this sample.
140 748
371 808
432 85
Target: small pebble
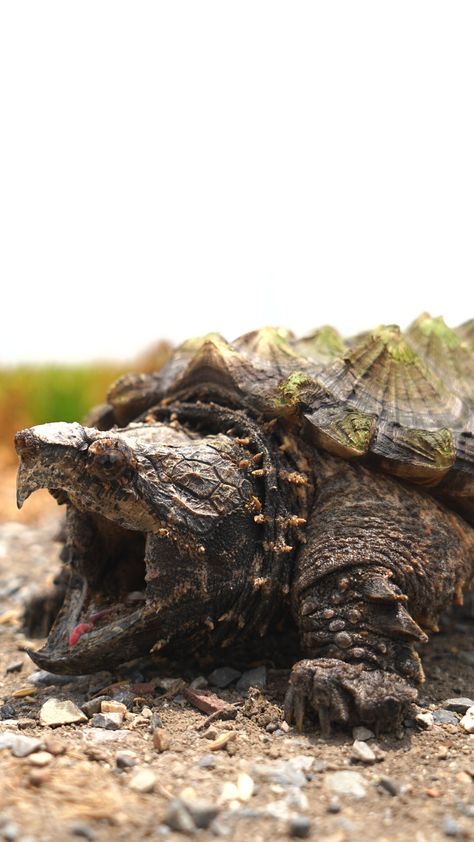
210 733
10 831
334 806
347 783
467 722
112 706
281 772
444 717
155 722
360 732
300 827
459 704
362 752
451 827
207 761
223 676
146 712
161 739
20 745
7 711
253 678
296 799
93 705
143 780
58 712
102 735
245 786
14 666
201 812
121 694
390 785
83 830
425 721
109 721
178 818
40 758
125 759
54 746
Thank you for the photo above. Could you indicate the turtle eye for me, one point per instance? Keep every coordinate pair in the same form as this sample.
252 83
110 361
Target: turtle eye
112 462
106 458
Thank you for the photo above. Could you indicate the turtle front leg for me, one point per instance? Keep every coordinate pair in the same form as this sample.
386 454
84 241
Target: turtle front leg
380 564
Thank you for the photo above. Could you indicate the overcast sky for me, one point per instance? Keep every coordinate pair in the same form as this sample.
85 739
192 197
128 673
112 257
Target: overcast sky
171 168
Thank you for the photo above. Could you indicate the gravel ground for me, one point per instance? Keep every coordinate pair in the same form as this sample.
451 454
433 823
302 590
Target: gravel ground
141 760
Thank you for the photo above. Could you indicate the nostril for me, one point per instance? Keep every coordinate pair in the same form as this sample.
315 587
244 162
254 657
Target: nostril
26 443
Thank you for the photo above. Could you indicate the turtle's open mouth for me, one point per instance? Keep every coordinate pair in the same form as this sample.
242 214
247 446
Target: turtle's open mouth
110 611
108 615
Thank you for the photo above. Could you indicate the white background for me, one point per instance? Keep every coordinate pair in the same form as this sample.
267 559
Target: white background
170 168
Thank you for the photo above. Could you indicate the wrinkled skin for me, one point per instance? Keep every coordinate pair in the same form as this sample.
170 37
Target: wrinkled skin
180 538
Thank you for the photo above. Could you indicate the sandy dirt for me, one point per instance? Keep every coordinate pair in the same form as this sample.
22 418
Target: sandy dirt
265 781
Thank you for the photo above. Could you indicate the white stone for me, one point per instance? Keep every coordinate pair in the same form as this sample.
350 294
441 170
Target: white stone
245 786
425 720
467 722
143 780
347 783
362 752
40 758
58 712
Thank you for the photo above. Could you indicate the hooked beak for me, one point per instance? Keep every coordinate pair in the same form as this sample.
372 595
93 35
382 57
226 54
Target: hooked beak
35 446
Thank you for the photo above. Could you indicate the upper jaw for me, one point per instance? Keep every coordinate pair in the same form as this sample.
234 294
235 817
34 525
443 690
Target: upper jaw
38 447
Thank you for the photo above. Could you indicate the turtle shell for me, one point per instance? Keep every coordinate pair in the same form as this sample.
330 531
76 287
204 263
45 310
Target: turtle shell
402 402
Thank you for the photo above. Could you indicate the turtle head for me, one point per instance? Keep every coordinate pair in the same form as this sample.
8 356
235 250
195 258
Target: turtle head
160 536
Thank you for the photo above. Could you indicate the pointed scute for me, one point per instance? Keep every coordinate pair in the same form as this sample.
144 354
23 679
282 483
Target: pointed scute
383 402
322 346
270 349
445 352
384 375
245 374
466 333
211 370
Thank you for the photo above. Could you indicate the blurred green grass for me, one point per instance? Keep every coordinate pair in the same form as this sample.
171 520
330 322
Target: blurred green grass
53 393
31 394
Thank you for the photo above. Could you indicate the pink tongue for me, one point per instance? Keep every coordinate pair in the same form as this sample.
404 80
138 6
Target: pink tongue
78 631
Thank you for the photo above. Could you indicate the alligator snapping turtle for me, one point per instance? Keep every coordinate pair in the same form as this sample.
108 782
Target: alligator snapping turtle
243 478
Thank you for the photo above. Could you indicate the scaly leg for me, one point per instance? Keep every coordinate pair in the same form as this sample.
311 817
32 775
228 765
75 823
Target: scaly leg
381 562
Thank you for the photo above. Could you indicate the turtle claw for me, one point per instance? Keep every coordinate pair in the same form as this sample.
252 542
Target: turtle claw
347 694
295 708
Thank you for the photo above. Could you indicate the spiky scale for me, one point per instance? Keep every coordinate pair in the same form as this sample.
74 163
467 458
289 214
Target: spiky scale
444 352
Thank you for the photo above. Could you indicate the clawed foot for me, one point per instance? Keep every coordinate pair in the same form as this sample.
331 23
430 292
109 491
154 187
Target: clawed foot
345 693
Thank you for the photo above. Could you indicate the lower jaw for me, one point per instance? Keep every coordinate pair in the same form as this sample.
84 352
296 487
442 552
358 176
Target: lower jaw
134 634
129 636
